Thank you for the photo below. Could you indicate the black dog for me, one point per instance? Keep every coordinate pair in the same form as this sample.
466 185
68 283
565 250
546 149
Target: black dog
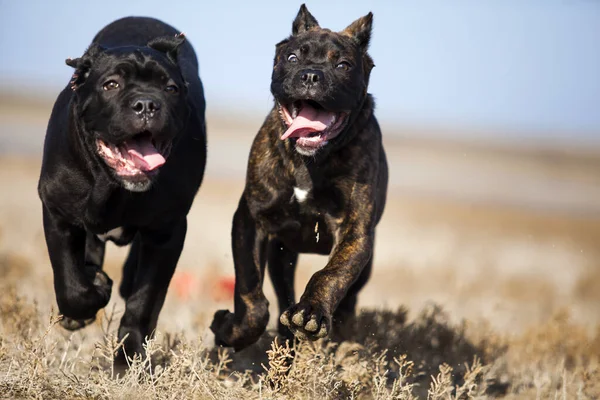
316 182
124 156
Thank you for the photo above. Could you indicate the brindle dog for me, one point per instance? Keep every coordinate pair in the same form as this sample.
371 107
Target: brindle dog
316 183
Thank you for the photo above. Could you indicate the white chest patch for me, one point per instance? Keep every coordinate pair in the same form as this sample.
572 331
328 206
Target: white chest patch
300 194
114 234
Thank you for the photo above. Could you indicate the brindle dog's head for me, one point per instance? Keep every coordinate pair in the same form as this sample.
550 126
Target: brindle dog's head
131 103
320 80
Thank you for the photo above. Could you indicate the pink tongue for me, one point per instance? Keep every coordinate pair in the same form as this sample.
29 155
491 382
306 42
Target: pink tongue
309 120
144 154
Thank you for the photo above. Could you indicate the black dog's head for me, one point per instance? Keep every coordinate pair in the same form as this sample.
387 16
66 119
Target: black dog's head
132 104
320 79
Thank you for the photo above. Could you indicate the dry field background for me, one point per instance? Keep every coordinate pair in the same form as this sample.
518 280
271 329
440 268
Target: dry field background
486 283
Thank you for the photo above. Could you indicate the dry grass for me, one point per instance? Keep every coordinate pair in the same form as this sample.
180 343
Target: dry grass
389 357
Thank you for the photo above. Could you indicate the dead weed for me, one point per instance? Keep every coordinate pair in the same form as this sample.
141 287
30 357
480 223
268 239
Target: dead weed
386 358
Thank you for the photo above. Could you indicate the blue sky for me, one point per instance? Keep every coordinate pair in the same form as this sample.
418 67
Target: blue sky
527 66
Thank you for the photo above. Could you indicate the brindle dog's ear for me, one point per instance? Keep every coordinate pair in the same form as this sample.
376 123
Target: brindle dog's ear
168 45
83 65
360 30
304 21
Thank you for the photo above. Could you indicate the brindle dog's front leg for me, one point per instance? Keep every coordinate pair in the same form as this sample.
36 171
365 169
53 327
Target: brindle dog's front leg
311 318
251 314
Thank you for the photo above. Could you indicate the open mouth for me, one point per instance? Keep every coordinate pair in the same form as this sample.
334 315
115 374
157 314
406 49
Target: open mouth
310 124
136 157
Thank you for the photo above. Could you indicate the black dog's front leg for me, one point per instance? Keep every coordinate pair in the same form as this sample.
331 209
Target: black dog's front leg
81 289
158 255
251 307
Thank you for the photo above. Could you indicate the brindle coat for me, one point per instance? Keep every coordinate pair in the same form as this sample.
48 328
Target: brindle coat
327 204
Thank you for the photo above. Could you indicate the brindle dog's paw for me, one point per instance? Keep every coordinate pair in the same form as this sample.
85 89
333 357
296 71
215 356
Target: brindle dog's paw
307 321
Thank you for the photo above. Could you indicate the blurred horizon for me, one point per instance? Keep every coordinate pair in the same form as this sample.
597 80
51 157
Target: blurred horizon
501 71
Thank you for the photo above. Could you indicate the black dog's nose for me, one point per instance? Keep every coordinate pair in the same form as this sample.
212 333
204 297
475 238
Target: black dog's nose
145 106
311 76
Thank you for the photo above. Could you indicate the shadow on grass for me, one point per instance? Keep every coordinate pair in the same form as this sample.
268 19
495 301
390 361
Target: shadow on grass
429 341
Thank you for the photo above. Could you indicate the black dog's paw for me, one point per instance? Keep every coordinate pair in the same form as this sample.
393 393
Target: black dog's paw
75 324
79 307
103 285
237 334
307 321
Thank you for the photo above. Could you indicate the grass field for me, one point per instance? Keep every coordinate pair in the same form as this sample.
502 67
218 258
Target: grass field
486 284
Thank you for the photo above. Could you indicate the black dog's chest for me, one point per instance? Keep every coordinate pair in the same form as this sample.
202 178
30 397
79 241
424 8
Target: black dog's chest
121 213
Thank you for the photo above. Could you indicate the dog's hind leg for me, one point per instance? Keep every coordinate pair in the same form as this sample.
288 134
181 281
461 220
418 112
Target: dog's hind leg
94 260
94 251
281 263
158 252
130 269
346 310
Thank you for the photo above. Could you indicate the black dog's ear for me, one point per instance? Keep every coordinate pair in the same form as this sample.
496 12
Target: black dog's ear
360 30
92 52
83 64
304 21
168 45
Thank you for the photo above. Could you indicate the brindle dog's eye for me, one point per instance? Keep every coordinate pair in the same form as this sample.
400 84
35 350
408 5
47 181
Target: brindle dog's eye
172 89
110 85
344 66
292 58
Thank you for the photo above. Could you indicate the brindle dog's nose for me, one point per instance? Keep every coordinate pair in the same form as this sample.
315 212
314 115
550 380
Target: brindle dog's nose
311 76
145 107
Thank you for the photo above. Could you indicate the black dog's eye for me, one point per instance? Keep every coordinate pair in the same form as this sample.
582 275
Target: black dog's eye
110 85
344 66
172 89
292 58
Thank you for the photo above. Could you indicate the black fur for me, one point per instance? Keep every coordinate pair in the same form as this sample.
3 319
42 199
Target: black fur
84 197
